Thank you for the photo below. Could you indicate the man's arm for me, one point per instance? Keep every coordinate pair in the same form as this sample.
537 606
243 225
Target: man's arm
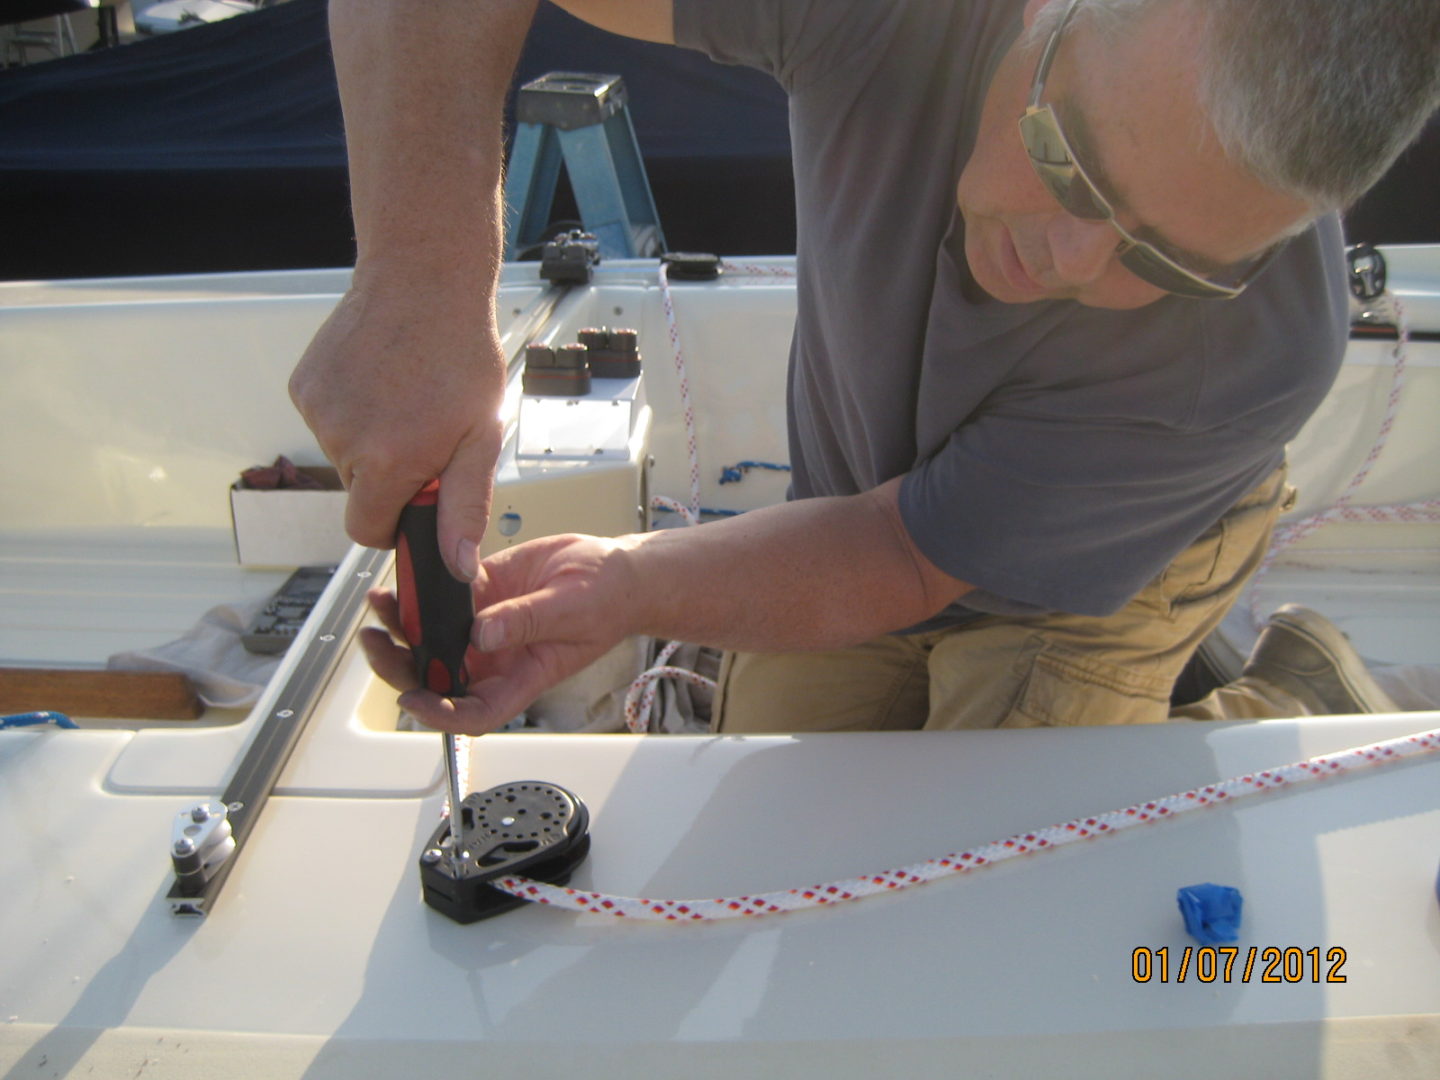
816 573
648 20
811 574
403 383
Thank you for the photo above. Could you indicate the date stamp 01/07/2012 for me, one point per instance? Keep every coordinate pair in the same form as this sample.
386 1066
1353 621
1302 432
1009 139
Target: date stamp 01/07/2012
1237 964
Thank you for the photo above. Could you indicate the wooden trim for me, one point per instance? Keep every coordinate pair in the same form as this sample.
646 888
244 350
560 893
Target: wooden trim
127 695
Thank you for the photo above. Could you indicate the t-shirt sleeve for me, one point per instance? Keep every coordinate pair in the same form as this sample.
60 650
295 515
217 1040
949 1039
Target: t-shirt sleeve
1077 521
795 41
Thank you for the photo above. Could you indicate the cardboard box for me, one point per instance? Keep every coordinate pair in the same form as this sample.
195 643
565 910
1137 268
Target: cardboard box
291 527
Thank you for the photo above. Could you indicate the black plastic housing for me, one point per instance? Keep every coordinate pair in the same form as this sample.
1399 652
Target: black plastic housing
529 828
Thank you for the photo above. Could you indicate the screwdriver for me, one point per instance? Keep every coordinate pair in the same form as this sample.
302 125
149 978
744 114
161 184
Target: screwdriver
435 612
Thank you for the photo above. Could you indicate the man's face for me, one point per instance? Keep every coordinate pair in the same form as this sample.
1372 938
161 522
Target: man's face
1130 109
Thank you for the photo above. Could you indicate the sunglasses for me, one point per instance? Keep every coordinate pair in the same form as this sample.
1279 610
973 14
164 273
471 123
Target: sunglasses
1055 163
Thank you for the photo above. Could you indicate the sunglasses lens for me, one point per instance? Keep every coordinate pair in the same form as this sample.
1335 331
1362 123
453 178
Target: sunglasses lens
1083 202
1050 155
1147 264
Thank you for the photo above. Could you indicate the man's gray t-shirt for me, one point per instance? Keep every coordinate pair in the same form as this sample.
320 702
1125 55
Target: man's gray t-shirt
1055 456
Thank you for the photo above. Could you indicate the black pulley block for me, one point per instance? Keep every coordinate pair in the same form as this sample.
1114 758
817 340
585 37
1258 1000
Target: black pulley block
529 829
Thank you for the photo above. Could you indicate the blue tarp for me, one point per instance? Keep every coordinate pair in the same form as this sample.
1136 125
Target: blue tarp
221 148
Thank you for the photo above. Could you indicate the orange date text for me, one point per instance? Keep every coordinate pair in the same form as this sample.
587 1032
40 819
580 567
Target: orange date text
1238 964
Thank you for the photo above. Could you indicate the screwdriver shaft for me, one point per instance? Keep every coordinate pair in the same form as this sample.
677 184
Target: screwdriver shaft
457 820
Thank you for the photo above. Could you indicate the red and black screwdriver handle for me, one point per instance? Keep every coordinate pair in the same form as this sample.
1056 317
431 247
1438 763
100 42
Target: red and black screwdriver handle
435 610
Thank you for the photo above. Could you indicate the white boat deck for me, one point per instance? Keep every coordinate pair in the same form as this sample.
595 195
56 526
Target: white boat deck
320 960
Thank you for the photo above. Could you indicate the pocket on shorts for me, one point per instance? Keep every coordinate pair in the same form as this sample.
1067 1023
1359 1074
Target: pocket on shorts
1200 569
1228 552
1067 688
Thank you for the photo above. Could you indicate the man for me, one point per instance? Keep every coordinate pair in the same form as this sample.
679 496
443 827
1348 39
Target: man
1027 487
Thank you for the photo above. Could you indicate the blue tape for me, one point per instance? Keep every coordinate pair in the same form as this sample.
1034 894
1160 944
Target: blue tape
733 474
31 719
1211 912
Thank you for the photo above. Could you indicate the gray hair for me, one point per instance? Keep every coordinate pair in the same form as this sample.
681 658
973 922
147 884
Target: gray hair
1315 98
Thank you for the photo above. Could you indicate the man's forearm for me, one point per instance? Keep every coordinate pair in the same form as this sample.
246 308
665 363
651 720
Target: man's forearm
817 573
403 382
422 87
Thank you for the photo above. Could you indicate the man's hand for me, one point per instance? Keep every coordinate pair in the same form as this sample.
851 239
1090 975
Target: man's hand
399 388
403 383
546 609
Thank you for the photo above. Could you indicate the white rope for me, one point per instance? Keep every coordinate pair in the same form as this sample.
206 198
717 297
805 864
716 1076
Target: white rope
664 502
1423 511
688 410
1070 832
756 270
691 513
640 697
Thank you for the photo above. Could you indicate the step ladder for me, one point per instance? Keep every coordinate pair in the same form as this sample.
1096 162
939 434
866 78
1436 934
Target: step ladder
581 121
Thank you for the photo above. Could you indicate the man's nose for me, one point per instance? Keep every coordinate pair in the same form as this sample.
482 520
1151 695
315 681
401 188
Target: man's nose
1081 250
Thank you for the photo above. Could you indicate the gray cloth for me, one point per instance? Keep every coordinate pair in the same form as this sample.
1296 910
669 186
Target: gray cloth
1055 456
212 653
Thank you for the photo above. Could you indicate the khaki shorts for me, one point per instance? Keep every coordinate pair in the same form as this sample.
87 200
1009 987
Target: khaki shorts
1029 671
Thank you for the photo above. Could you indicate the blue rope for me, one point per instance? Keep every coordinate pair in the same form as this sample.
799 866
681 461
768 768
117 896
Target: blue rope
733 474
30 719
